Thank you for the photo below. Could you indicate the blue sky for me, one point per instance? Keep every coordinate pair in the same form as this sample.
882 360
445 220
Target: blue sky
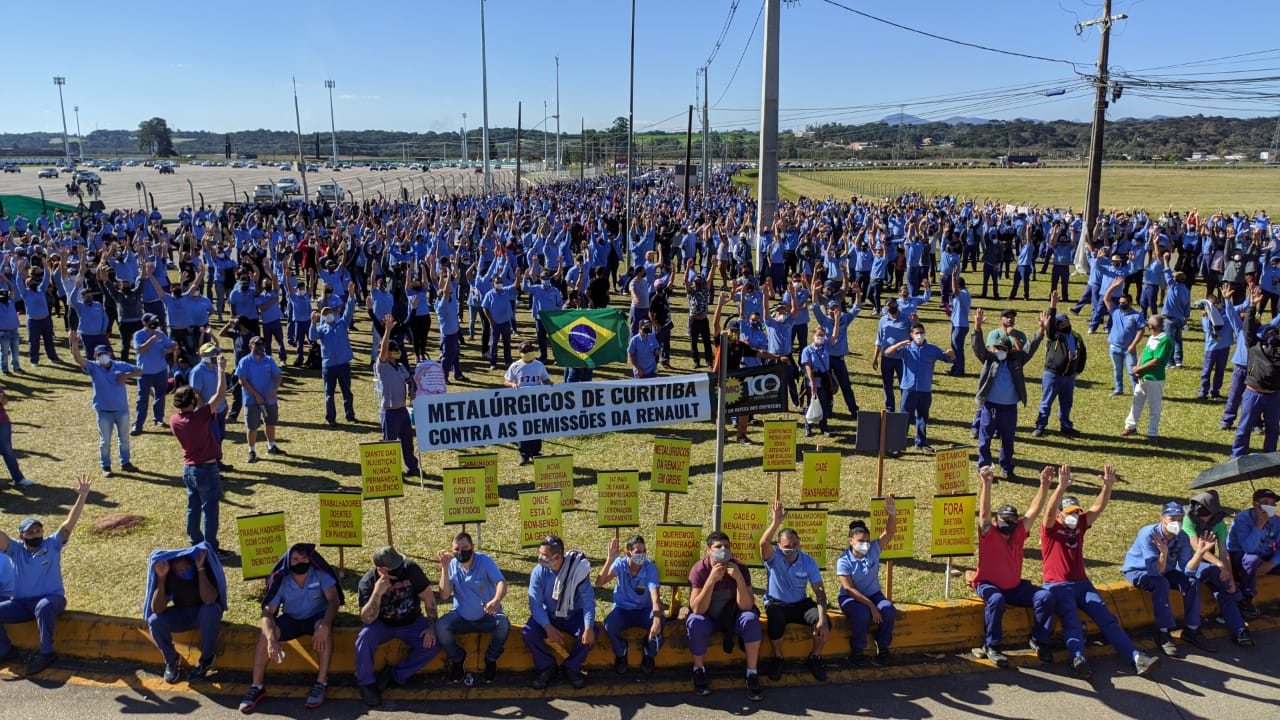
416 65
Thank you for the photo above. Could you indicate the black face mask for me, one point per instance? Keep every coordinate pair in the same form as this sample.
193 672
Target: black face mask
33 543
464 556
1006 526
300 568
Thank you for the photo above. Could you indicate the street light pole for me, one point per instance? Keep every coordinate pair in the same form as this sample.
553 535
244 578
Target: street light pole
333 127
631 121
79 137
66 148
484 90
302 159
559 157
466 156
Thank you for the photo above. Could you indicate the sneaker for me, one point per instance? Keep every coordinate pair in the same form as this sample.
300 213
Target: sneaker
275 450
24 482
490 671
857 658
106 472
700 684
1224 426
927 449
1242 639
129 467
201 670
1071 432
171 673
1115 393
370 695
253 456
135 432
775 668
544 678
251 698
646 665
744 441
1144 663
1128 431
620 665
40 663
576 679
457 670
1038 432
1042 651
816 667
1167 646
1081 668
883 658
996 657
1197 638
224 554
753 687
1248 609
315 698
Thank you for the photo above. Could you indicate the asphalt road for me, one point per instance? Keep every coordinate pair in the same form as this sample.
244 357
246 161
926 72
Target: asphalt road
171 192
1236 683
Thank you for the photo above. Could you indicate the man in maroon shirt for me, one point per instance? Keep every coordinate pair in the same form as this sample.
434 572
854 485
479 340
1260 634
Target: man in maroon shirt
1062 547
722 599
998 580
201 451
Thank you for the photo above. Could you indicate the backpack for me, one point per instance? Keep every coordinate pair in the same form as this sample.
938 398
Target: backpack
314 359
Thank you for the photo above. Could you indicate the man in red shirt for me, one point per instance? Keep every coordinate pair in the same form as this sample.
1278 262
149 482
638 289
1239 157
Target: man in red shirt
192 425
1062 547
998 580
722 599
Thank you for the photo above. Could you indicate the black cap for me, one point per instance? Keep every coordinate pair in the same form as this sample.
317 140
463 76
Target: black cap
1009 313
1007 512
1265 494
387 557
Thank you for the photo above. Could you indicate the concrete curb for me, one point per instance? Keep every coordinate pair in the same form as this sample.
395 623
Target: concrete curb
929 628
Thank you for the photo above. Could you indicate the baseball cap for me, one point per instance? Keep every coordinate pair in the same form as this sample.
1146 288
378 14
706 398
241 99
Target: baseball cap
210 349
527 346
102 350
149 318
1009 313
1265 494
1070 505
387 557
1007 512
1061 318
1172 509
29 523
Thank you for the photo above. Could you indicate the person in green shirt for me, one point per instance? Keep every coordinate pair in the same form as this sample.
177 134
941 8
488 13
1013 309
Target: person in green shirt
1148 376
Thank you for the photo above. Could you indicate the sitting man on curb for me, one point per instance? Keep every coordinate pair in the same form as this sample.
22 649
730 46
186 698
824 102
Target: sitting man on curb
1204 520
561 602
1164 558
393 596
477 587
721 599
1252 546
635 601
186 590
302 598
998 579
791 572
37 588
1062 547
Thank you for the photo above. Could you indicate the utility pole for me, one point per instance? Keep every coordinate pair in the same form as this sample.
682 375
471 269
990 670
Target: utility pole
631 127
66 148
768 187
706 130
559 157
900 114
79 137
582 162
544 134
1099 119
333 126
484 87
519 123
466 157
688 160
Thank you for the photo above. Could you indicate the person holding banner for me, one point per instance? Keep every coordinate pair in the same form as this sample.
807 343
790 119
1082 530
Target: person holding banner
395 387
861 599
722 598
918 359
561 603
635 601
333 333
528 371
998 579
393 598
186 590
302 598
786 600
477 587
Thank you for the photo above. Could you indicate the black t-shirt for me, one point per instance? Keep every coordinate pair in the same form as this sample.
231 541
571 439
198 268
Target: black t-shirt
401 604
184 593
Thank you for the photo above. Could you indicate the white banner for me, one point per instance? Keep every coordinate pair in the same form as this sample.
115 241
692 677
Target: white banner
485 417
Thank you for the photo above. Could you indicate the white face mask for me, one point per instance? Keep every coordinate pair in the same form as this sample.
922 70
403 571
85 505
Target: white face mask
862 548
819 341
1071 521
638 559
1001 355
1173 527
917 339
1270 510
329 319
105 361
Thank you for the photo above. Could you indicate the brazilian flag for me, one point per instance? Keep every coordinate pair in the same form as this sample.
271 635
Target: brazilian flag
586 338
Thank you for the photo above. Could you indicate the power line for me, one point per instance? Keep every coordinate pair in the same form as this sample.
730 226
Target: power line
733 8
950 40
743 55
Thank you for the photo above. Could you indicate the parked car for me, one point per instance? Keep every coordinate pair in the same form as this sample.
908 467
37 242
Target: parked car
267 193
329 192
48 173
166 169
9 168
289 186
110 167
87 176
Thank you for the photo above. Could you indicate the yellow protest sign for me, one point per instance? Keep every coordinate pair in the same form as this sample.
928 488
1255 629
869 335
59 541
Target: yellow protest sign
821 480
381 470
675 548
554 472
779 445
262 543
670 471
488 461
341 519
952 525
462 499
811 526
951 468
743 522
539 516
901 546
618 494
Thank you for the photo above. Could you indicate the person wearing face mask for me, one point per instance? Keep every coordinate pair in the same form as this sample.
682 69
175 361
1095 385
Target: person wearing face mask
1261 399
894 327
816 361
396 603
786 600
1252 546
1064 360
635 601
1127 326
35 299
918 358
9 338
644 351
1205 522
477 587
528 371
153 348
561 602
204 379
38 592
394 385
333 333
1002 386
721 599
302 598
998 579
260 379
110 399
1149 376
186 590
1062 549
1163 558
861 599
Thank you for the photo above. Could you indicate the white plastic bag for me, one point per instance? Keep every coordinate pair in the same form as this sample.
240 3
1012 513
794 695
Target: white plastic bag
814 413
